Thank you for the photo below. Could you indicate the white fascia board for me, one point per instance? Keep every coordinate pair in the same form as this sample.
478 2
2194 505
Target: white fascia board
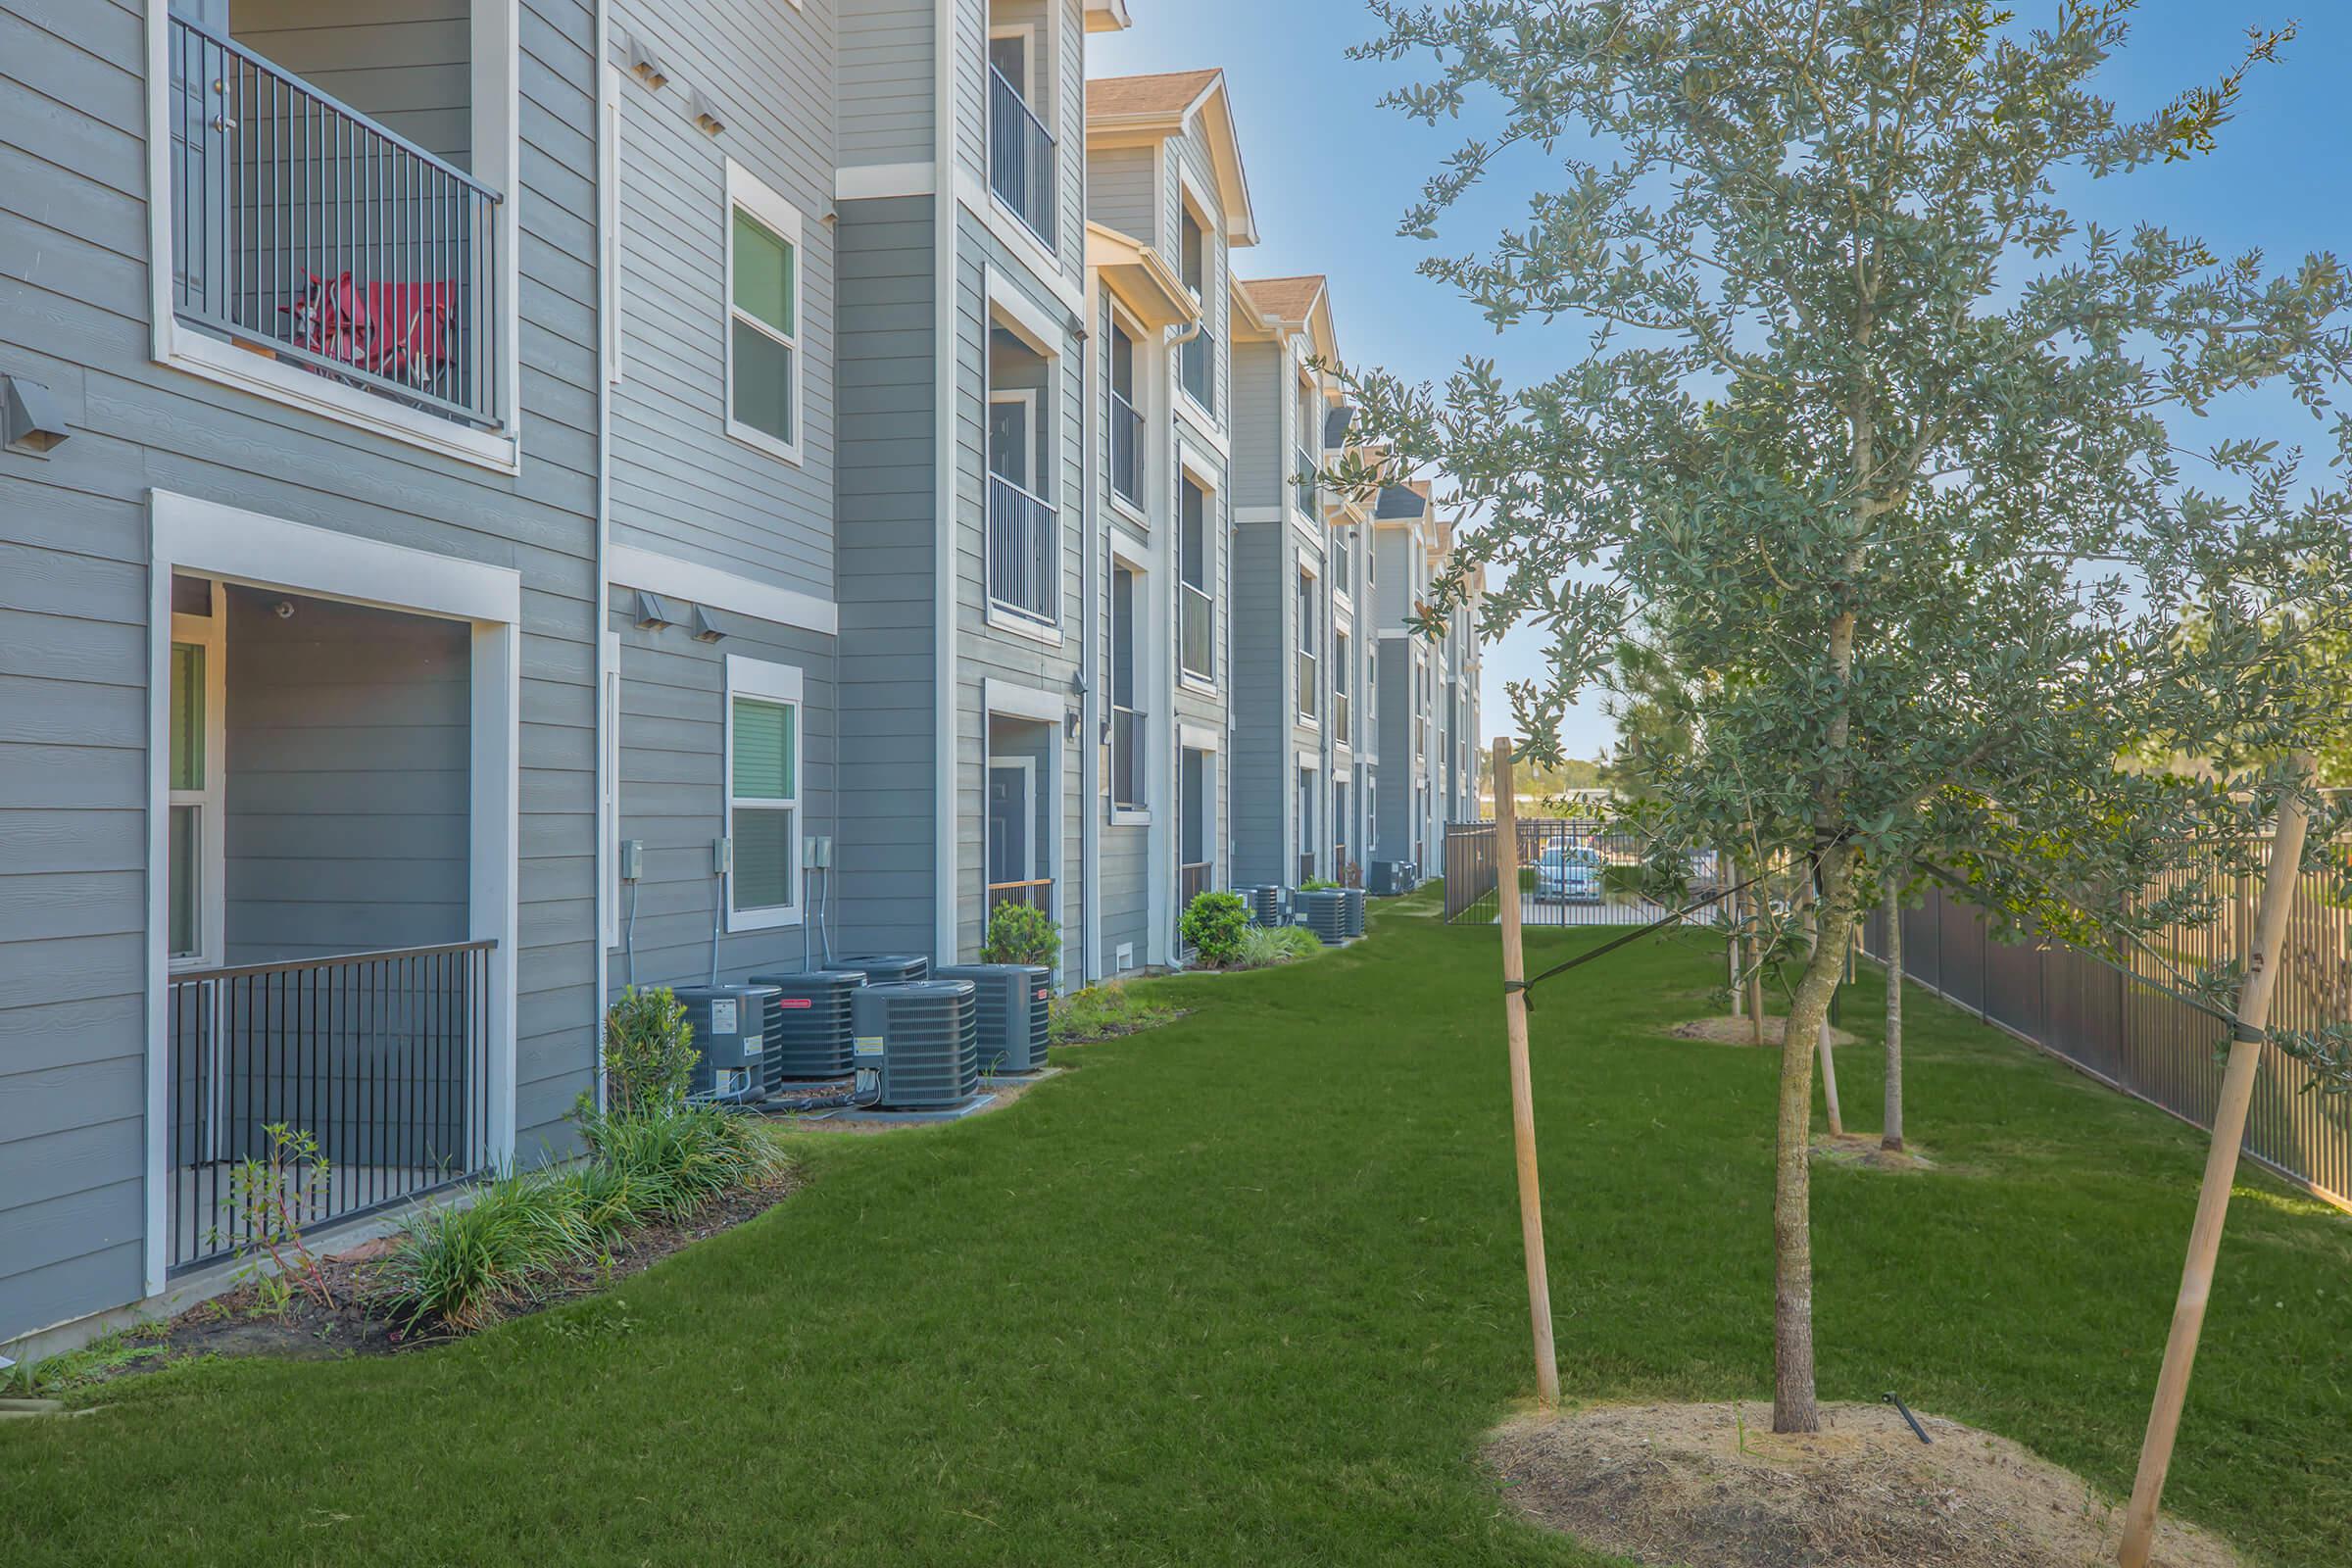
633 567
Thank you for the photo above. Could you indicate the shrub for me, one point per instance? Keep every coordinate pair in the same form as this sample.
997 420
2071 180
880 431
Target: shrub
1105 1011
670 1166
1266 946
1020 934
462 1268
648 1053
1213 926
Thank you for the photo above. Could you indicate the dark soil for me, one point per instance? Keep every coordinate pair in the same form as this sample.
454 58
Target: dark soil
237 1324
1120 1031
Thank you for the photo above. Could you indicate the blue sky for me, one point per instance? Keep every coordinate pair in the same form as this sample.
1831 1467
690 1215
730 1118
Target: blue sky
1330 171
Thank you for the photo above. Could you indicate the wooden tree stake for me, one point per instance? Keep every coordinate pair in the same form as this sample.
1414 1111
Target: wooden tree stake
1828 1080
1523 1109
2263 961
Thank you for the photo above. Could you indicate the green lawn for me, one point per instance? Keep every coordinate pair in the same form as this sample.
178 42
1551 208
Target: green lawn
1246 1290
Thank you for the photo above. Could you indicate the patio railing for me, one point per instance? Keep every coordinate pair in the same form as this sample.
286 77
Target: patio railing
1022 553
384 1057
304 229
1020 157
1036 893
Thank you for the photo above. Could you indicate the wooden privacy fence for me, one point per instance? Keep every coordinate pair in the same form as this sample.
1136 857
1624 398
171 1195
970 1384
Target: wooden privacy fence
2145 1043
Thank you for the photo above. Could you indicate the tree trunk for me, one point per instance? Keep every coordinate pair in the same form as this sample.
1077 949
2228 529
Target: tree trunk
1794 1406
1891 1139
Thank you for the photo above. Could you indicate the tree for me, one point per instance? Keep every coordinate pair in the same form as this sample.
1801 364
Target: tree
1874 436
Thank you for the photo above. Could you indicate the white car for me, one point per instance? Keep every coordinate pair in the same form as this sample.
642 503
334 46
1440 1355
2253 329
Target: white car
1568 875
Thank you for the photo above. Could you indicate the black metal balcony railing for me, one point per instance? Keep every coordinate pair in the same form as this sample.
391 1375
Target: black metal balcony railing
1306 489
1126 450
1196 648
1020 157
1023 536
1127 739
302 228
382 1057
1308 704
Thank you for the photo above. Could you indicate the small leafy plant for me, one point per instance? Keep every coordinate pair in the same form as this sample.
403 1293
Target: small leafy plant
648 1053
1214 925
270 1196
1105 1012
1020 934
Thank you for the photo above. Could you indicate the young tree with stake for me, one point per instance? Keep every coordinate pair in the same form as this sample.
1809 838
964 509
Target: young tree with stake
1879 439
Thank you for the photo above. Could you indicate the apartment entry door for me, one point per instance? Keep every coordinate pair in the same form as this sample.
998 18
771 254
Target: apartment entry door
1011 834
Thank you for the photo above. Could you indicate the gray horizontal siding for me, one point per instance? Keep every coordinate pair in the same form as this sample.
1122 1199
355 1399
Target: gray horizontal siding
74 551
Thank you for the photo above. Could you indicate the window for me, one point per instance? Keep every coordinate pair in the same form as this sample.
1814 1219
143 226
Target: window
1012 438
763 793
195 830
1126 420
1195 365
1308 685
1196 648
1339 731
1127 736
1338 827
764 316
1306 459
1371 813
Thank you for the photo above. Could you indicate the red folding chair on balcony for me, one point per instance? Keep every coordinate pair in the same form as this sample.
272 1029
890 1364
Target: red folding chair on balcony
394 331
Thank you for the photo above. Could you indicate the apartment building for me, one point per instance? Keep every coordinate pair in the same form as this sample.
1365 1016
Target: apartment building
300 528
1427 688
511 499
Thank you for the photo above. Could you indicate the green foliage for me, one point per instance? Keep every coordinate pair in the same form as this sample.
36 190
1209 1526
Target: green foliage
271 1195
1320 884
1020 934
463 1268
1213 926
1266 946
1103 1012
648 1053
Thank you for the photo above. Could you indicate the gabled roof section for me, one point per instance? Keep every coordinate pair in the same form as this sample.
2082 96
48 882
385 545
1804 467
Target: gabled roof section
1299 304
1401 501
1249 323
1165 105
1149 287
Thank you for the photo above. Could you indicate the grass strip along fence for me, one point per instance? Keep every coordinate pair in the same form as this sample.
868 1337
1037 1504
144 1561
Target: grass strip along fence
2118 1026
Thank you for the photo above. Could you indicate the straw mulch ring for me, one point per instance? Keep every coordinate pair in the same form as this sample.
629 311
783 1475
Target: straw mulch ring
1710 1484
1728 1031
1863 1151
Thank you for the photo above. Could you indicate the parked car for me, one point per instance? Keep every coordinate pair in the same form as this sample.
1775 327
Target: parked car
1568 875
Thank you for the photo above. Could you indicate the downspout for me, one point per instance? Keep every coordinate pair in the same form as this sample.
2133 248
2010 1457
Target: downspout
1090 566
607 820
947 394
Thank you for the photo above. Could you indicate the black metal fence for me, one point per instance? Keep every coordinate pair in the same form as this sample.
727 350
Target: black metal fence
2140 1039
1572 871
382 1057
304 227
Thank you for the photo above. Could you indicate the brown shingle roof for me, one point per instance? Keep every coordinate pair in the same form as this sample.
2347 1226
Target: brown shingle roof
1284 299
1166 93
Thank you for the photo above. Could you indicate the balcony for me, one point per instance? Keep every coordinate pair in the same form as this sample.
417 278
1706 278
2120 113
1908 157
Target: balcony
1197 618
1310 705
1037 894
1192 880
1020 158
1126 452
1023 552
309 233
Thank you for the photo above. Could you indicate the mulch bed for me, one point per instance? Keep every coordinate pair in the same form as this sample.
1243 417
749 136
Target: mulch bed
1120 1031
1711 1484
305 1331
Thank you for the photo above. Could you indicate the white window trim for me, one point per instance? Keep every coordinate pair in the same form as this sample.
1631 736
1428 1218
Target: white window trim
210 635
494 91
1139 656
1204 683
762 681
783 220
